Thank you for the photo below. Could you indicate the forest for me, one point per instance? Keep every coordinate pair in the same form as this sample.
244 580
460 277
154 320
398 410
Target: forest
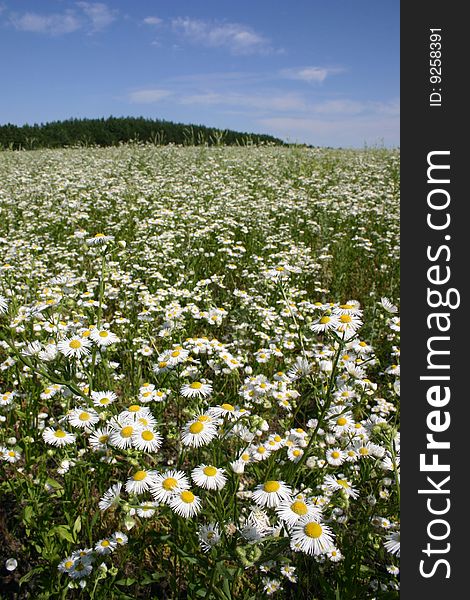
115 130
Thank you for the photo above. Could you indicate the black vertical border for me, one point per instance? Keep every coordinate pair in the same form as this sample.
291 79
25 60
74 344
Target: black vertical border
424 129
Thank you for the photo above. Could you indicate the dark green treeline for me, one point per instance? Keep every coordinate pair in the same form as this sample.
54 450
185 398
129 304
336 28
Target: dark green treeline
115 130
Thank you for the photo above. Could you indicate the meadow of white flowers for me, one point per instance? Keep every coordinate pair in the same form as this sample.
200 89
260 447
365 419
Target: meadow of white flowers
199 373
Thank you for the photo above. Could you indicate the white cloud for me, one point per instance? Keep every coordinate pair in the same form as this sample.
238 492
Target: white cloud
148 96
279 102
99 14
309 74
237 38
93 16
152 21
52 24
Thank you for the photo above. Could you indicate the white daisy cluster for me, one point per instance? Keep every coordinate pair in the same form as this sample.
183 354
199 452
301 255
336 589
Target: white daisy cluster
171 365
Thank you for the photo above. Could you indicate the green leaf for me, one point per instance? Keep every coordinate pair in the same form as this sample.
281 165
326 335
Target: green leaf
53 483
77 526
226 587
63 532
30 574
28 513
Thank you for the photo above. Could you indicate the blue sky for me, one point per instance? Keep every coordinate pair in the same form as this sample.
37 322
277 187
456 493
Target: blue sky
315 71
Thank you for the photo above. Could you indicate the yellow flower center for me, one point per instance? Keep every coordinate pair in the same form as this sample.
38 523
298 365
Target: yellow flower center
226 406
345 319
343 483
75 344
105 543
84 416
245 457
103 439
139 476
127 431
299 507
363 451
261 450
203 418
335 454
196 427
297 453
147 436
59 433
104 401
169 484
313 530
195 385
209 471
134 408
103 334
341 421
324 320
346 306
271 486
175 354
68 564
187 497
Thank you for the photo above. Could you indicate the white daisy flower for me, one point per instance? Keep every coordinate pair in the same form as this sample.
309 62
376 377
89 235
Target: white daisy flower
389 307
140 482
166 485
209 477
293 510
103 337
209 536
82 417
147 510
196 389
325 323
3 305
75 346
392 543
100 239
198 433
110 497
335 456
101 399
57 437
122 431
146 439
259 453
99 439
105 546
295 453
119 538
334 484
185 504
271 493
311 537
80 569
